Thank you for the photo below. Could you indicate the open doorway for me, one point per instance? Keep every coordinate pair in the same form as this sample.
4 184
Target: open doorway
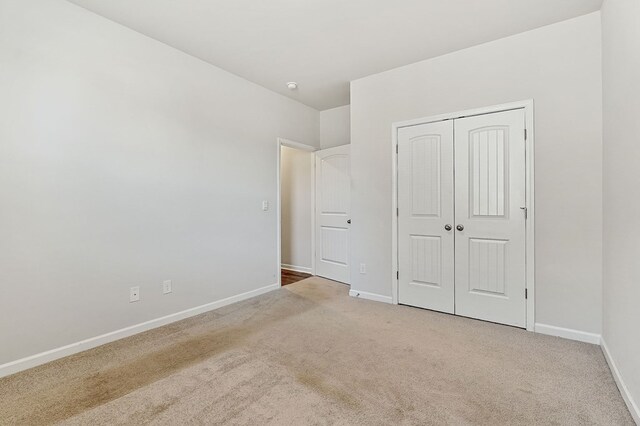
296 208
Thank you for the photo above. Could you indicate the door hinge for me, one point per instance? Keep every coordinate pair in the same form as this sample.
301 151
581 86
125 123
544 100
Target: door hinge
526 212
525 134
397 211
396 148
397 275
526 293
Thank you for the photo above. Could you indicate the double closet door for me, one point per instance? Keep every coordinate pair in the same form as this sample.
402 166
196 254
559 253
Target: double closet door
461 217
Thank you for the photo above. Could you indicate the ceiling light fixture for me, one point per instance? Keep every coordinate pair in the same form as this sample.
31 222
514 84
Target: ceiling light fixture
292 85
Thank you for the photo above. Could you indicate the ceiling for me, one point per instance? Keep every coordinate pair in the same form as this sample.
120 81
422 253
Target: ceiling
324 44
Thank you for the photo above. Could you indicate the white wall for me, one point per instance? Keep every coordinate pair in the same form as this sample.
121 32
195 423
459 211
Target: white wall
124 162
335 127
295 193
559 66
621 89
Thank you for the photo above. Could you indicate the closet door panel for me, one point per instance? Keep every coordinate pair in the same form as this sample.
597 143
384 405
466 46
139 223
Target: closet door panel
489 217
425 210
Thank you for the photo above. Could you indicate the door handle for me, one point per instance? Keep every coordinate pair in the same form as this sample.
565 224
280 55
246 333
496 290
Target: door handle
447 227
460 228
349 221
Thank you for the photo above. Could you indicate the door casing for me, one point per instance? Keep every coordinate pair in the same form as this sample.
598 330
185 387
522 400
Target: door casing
528 107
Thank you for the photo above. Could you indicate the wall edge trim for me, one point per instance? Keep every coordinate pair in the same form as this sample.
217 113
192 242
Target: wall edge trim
568 333
370 296
294 268
35 360
622 387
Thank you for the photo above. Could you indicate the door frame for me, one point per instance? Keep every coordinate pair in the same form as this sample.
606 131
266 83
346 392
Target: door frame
311 149
528 107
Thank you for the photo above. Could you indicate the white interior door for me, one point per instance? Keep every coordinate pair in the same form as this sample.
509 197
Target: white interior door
467 174
425 216
333 199
490 217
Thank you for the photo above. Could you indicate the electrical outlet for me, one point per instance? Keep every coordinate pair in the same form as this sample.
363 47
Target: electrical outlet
134 294
166 287
265 205
363 268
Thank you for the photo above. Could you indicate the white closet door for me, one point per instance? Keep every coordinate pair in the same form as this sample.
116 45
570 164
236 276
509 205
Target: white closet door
333 200
425 216
489 219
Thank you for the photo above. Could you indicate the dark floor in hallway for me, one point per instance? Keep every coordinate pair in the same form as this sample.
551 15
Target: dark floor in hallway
290 277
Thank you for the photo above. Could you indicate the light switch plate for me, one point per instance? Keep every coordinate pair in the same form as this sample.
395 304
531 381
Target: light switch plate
134 294
166 287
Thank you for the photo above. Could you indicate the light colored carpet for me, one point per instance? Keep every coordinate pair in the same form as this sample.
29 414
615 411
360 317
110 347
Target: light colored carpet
310 354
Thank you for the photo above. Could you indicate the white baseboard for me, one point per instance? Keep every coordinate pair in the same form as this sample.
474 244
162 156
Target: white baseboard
370 296
297 268
53 354
568 333
624 391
